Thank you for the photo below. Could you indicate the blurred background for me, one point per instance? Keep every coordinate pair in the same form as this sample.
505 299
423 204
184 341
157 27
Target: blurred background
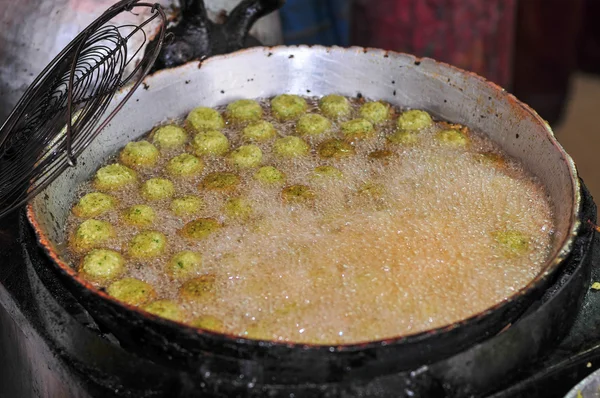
546 52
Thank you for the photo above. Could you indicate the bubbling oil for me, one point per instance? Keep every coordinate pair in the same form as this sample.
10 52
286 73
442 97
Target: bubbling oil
352 265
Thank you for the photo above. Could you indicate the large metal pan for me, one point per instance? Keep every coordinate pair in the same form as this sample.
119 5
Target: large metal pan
445 91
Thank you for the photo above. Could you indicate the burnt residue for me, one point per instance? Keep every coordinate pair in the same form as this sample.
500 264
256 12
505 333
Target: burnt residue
517 135
291 56
145 85
417 63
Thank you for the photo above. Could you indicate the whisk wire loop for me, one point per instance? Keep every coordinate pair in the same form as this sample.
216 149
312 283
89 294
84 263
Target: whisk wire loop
64 108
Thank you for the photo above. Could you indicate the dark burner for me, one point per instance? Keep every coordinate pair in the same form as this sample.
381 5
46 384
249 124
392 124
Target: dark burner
197 37
51 347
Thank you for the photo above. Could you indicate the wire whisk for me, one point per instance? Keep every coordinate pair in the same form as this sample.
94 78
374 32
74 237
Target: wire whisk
63 110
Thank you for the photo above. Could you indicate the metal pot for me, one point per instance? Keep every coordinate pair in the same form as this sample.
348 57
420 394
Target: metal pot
400 79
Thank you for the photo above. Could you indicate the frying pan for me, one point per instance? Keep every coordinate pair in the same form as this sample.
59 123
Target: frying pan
447 92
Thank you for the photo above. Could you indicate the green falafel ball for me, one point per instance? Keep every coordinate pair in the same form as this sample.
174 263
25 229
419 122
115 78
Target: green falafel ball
238 208
269 175
147 244
183 265
198 289
414 120
210 143
257 331
372 192
327 172
381 154
205 119
452 137
184 165
402 137
512 242
259 132
335 148
220 181
114 177
375 112
312 124
358 129
169 137
291 147
102 265
490 158
208 322
288 107
131 291
186 205
246 156
370 189
139 154
157 189
335 106
297 194
93 204
200 228
139 215
91 234
167 309
244 111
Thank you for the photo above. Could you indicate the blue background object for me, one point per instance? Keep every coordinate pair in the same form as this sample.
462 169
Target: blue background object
323 22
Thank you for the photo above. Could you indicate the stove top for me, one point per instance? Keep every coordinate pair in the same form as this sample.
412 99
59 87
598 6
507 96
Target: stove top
51 347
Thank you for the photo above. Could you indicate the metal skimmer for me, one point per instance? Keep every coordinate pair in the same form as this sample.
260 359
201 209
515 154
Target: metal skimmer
63 110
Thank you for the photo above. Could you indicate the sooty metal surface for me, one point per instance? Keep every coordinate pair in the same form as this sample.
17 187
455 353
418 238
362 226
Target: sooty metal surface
52 347
400 79
196 37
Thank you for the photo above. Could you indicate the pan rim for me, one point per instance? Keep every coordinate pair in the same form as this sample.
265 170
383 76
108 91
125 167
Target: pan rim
549 268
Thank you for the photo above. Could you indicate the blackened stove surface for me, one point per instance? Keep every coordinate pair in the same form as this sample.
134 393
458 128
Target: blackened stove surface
50 346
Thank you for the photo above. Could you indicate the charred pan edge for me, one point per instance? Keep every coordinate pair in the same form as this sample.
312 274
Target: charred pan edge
549 268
